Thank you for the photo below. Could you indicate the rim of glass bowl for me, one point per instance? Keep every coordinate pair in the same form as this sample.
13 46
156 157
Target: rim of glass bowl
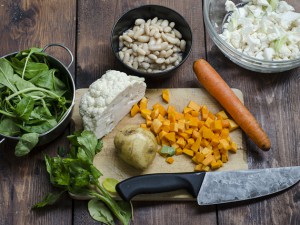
234 53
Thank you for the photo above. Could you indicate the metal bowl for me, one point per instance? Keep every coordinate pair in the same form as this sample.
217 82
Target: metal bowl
53 133
146 12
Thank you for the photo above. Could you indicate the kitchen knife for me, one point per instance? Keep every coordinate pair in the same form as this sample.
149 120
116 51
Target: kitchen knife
214 187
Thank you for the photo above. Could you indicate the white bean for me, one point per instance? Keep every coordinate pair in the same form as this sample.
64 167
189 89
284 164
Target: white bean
143 38
165 23
141 51
155 48
164 45
182 45
126 57
160 60
156 53
127 38
157 35
169 53
172 40
121 55
172 24
147 29
145 65
141 58
135 64
152 56
167 29
154 20
138 33
139 22
177 33
163 54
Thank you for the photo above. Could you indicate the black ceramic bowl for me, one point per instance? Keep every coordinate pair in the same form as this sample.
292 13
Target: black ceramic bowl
146 12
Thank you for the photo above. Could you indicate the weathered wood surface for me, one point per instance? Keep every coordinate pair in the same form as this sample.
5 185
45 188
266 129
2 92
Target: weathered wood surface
84 27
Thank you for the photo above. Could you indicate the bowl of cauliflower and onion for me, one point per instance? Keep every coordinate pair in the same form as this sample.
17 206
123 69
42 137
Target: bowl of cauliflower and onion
259 35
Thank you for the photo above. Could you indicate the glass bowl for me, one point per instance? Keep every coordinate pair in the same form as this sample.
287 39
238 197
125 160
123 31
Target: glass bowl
214 16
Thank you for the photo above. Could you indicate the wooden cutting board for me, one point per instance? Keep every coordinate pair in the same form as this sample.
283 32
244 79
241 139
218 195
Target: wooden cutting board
111 166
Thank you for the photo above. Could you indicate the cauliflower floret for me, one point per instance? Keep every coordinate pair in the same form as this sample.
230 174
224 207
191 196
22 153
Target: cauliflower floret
108 100
265 29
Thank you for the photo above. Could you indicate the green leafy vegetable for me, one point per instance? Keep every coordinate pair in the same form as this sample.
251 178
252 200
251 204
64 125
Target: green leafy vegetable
99 212
26 143
77 175
168 150
34 97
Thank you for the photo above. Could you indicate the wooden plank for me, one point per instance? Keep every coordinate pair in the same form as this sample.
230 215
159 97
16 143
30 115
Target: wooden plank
95 57
112 166
274 101
24 181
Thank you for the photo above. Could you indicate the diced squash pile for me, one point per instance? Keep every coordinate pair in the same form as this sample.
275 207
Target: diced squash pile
195 132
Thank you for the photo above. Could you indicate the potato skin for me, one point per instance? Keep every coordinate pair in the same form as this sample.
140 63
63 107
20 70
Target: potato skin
136 146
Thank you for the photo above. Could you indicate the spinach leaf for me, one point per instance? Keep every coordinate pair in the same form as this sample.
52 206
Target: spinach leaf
8 127
6 75
100 212
40 128
26 144
25 107
49 199
48 80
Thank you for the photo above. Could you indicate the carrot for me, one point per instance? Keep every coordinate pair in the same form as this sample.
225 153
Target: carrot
219 89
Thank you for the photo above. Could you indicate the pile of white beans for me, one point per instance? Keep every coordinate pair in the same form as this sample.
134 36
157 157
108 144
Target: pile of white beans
152 46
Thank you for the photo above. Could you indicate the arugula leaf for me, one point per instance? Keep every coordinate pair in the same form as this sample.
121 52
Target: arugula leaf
100 212
9 128
26 144
25 107
49 199
6 75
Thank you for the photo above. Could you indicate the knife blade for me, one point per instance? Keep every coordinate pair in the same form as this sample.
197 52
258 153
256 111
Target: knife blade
214 187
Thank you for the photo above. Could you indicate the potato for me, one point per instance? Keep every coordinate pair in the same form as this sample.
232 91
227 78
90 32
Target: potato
136 146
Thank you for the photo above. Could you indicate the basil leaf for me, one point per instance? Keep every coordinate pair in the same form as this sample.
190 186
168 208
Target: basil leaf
49 199
100 212
26 144
9 128
25 107
6 75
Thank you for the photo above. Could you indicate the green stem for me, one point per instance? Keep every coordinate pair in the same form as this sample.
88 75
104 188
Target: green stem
32 89
7 114
112 205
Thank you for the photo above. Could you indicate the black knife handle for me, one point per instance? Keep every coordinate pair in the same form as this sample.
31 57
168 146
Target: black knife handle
160 182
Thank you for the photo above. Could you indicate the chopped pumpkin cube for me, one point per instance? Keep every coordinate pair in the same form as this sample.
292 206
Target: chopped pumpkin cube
170 160
170 137
208 159
193 105
216 125
156 126
162 110
188 152
143 103
204 112
178 151
154 114
166 95
134 110
232 125
222 115
145 113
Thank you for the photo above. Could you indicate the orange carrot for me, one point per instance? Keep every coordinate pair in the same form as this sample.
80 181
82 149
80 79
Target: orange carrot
219 89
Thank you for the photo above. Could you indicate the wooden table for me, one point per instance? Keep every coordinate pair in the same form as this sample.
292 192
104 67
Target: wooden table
84 27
